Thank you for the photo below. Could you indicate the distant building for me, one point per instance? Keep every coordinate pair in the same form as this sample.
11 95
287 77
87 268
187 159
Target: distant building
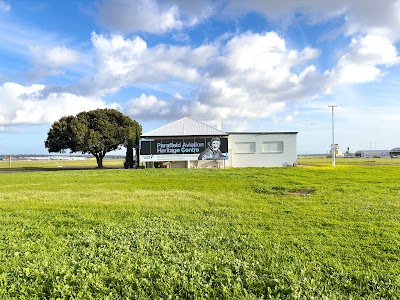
338 152
395 152
187 143
372 153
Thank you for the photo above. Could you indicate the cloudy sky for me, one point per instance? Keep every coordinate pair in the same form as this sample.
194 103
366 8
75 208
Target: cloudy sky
261 65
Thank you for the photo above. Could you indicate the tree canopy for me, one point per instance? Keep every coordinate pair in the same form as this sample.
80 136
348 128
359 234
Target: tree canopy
96 132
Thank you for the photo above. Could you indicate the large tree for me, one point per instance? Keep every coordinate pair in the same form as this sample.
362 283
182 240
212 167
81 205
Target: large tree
96 132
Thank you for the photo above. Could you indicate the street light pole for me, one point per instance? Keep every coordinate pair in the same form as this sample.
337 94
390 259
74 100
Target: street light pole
333 147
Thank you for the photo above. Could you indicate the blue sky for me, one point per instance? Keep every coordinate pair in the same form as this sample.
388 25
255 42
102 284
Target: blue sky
262 65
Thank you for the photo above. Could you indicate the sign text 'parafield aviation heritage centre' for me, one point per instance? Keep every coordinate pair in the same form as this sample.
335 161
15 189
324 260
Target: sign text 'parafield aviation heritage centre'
207 148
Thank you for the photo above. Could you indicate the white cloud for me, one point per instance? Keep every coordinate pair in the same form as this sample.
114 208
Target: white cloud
255 77
364 60
25 104
153 16
181 37
122 62
250 75
57 56
194 12
117 56
4 6
148 107
373 49
360 16
142 15
50 61
374 17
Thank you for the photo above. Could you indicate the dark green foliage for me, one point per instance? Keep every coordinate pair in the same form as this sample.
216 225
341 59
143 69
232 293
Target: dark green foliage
129 151
96 132
137 138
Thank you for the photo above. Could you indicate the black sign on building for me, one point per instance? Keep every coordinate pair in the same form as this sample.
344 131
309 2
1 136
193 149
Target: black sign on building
207 148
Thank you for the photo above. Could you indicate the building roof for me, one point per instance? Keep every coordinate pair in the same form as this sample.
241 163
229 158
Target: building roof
275 132
185 127
373 151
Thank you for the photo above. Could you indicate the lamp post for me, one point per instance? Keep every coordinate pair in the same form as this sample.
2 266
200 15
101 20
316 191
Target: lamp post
333 147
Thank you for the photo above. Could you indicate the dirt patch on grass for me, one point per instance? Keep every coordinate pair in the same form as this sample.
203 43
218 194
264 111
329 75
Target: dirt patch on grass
302 192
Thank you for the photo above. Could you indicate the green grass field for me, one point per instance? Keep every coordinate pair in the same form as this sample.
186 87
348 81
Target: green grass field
58 164
326 161
201 234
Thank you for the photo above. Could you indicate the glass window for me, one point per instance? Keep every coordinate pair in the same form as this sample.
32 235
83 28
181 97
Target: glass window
249 147
272 147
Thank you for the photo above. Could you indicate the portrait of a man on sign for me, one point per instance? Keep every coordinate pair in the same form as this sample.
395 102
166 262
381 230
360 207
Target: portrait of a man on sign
212 152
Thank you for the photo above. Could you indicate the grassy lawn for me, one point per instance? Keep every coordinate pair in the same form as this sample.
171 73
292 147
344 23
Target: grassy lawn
59 164
327 161
201 234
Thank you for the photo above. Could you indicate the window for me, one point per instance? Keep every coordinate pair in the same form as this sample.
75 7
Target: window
249 147
272 147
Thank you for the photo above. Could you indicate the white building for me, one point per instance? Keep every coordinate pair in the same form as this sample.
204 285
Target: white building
373 153
262 149
187 143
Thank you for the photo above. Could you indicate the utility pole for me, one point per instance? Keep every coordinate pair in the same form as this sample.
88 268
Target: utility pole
333 147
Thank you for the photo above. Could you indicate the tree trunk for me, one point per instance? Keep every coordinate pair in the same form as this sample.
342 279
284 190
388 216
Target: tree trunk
137 148
131 162
99 160
137 157
129 153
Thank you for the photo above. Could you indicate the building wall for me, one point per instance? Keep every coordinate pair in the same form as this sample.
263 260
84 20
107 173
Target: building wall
395 152
245 150
372 153
261 150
